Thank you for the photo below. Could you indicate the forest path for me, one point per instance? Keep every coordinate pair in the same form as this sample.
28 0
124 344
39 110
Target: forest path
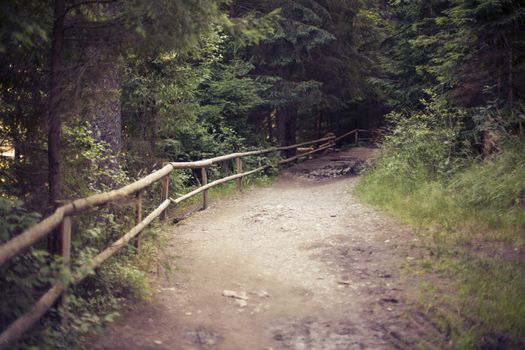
298 265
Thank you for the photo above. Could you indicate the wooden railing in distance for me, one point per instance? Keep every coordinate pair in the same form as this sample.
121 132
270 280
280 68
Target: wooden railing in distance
61 219
355 132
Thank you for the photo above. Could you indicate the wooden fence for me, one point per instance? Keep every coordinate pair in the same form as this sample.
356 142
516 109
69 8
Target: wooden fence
61 220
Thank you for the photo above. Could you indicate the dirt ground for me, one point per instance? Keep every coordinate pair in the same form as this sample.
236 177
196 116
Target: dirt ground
298 265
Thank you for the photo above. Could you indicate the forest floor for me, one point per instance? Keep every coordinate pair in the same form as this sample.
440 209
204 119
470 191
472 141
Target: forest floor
298 265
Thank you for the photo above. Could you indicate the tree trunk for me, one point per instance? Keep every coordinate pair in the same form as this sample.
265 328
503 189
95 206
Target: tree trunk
286 129
103 104
102 87
292 130
319 124
55 97
510 89
55 92
103 108
269 121
281 126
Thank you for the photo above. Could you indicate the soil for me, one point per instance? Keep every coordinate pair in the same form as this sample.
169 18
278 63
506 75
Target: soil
298 265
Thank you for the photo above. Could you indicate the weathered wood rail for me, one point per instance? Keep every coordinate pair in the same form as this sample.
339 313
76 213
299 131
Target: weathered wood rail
62 217
365 135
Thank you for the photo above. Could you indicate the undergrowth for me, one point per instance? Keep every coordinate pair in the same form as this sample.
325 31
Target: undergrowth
471 210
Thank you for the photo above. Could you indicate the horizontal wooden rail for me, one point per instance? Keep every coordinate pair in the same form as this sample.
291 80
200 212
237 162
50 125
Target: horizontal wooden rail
119 244
215 183
345 135
40 230
209 162
24 322
37 232
356 134
306 143
288 160
23 241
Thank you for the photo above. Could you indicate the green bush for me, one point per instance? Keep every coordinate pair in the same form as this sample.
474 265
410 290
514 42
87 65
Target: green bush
419 150
427 176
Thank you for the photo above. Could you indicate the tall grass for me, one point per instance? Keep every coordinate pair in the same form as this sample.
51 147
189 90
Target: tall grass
466 207
484 198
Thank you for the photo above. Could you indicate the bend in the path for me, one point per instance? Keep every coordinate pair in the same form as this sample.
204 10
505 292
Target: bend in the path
311 268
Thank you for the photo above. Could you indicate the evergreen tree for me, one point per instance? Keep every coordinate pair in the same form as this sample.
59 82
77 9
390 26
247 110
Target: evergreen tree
469 52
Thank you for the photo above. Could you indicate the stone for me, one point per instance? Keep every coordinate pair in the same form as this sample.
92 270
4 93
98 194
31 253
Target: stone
241 302
263 294
234 294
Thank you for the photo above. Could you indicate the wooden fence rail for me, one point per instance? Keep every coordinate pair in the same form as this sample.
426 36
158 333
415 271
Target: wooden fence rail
62 217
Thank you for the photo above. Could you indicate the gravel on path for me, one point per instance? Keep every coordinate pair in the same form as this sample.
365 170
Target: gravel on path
298 265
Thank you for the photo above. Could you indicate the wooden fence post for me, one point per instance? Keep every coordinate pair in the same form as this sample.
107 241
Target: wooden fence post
64 250
204 174
357 137
238 163
138 217
164 194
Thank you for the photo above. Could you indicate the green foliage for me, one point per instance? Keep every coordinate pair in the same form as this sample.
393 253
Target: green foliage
419 148
468 52
20 29
120 279
307 69
190 106
14 219
226 98
427 176
84 151
23 277
501 188
23 37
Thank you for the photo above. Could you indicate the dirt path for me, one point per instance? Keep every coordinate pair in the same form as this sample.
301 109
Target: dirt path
299 265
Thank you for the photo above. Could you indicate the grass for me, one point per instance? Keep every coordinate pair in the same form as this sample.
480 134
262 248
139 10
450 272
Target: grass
484 198
479 302
472 221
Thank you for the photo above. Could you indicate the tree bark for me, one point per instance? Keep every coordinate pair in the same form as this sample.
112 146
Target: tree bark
55 96
286 129
319 124
269 121
103 105
103 86
54 110
510 89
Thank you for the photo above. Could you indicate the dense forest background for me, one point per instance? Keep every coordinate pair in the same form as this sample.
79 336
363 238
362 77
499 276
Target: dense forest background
119 87
138 83
97 93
